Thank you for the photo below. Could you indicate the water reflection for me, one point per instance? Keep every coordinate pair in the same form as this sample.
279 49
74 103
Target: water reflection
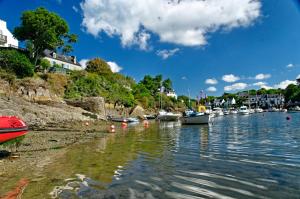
256 156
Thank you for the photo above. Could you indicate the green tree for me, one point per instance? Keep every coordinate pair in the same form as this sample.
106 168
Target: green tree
42 30
167 84
45 64
98 66
16 62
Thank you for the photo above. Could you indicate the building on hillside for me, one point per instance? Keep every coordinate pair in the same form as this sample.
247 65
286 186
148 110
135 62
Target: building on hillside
171 93
65 61
265 100
6 37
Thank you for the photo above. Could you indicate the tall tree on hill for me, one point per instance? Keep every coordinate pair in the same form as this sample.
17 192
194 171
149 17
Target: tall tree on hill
98 66
42 30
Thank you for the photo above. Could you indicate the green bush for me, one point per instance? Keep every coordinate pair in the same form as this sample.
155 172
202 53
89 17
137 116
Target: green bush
16 62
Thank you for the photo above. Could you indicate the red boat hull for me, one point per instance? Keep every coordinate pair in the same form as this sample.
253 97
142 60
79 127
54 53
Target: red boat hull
11 128
4 137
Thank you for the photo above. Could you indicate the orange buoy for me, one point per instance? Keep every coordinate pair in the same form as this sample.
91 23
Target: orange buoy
124 125
146 123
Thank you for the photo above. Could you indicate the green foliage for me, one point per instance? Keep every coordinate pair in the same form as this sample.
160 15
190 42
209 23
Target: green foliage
45 64
98 66
8 76
42 30
16 62
167 84
292 93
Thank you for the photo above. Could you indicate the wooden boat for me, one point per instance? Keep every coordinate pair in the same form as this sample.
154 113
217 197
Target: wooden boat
11 128
195 118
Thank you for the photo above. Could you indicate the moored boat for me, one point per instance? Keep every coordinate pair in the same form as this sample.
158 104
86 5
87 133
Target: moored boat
244 110
218 111
195 118
167 116
11 128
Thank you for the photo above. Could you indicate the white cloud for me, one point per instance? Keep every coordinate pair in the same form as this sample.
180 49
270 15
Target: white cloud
165 54
236 86
75 9
184 78
284 84
298 76
260 84
115 68
266 87
212 81
263 85
262 76
290 65
183 22
83 62
230 78
211 89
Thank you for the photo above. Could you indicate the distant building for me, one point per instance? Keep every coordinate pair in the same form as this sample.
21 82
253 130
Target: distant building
65 61
171 94
265 100
6 37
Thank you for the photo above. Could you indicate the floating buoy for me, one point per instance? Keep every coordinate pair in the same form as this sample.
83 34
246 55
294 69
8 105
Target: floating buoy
288 118
124 125
146 123
112 126
86 123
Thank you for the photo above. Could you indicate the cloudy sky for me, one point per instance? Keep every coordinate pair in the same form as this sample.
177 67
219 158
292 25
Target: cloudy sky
213 45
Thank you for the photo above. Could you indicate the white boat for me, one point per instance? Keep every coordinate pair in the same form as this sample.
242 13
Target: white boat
295 109
218 111
233 111
244 110
167 116
196 118
226 112
259 110
251 111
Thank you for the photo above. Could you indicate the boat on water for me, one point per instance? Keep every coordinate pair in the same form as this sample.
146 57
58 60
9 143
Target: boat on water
233 111
259 110
244 110
251 111
218 111
167 116
122 119
193 117
294 109
226 112
11 127
149 117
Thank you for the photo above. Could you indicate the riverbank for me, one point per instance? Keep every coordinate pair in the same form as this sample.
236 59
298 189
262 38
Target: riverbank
39 149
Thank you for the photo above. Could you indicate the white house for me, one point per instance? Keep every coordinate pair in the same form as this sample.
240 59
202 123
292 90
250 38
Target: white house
6 37
171 94
65 61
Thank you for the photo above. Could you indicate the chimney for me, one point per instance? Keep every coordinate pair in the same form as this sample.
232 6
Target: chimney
74 59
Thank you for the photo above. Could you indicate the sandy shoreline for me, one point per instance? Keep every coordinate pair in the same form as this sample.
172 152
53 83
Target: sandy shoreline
41 148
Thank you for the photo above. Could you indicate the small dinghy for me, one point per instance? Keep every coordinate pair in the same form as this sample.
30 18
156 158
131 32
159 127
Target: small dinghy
11 127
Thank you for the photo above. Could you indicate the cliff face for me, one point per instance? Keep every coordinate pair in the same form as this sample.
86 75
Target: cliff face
34 102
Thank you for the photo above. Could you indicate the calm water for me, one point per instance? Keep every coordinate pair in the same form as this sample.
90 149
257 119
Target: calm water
256 156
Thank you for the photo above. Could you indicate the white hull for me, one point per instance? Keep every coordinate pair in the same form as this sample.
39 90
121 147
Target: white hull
244 112
199 119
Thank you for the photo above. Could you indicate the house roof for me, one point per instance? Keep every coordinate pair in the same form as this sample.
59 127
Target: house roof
64 58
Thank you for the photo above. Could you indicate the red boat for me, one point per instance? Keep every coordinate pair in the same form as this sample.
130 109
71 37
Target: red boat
11 127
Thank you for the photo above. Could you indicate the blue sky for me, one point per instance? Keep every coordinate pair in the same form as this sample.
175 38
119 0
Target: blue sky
228 47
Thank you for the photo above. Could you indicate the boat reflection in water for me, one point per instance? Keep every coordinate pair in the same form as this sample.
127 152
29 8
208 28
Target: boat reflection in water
257 156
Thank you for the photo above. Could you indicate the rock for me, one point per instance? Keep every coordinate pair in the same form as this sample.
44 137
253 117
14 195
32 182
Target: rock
137 111
92 104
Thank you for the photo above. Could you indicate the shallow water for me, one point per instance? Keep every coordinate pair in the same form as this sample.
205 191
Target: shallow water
255 156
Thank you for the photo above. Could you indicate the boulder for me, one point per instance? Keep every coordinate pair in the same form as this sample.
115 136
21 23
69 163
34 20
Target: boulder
92 104
137 111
